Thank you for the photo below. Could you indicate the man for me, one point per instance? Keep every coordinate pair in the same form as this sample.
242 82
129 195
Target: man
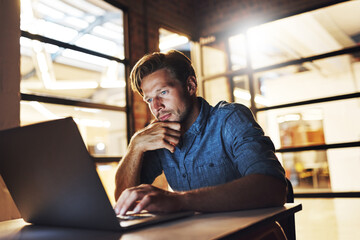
214 158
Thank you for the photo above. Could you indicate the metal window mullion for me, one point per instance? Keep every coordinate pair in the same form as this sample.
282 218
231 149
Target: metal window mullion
70 46
69 102
230 78
250 73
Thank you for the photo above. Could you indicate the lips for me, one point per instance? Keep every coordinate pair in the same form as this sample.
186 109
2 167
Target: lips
165 117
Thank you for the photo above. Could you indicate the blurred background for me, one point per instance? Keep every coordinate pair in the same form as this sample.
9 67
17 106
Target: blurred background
295 64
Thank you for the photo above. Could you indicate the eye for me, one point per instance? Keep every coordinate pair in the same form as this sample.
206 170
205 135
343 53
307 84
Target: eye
163 92
149 100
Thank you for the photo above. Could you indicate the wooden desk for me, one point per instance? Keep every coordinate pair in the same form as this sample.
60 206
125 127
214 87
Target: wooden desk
202 226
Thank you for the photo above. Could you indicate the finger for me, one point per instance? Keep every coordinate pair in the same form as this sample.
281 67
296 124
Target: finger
145 201
127 200
172 140
131 201
119 203
172 125
171 132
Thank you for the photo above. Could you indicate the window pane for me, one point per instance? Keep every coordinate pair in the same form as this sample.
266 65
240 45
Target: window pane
313 33
307 170
344 168
169 40
106 172
322 123
95 25
237 51
47 69
103 131
333 170
214 59
217 90
322 78
241 90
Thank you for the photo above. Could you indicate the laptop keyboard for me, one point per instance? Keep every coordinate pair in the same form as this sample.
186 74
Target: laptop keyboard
134 216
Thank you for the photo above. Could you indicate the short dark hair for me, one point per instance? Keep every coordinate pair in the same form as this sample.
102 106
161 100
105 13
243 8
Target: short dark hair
174 61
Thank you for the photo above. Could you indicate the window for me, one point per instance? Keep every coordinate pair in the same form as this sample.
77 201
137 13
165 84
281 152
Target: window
170 40
300 76
73 63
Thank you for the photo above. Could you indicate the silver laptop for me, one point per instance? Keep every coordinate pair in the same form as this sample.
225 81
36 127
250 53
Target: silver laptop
53 179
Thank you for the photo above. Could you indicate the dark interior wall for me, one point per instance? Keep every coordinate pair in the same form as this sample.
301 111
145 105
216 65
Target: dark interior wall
216 16
9 86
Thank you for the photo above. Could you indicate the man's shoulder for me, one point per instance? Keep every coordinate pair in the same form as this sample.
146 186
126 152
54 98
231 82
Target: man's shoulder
226 108
233 113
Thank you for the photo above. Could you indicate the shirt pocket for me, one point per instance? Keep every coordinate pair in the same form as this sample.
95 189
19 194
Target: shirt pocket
214 170
176 180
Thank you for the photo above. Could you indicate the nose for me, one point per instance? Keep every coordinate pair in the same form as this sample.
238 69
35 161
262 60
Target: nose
157 104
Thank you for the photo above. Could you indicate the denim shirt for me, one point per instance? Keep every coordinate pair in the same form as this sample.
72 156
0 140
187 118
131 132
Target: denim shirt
223 144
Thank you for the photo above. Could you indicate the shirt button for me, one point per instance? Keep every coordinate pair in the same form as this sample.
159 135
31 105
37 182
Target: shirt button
184 175
211 165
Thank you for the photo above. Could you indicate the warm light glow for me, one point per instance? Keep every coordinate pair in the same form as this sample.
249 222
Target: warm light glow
172 41
68 85
245 95
93 122
41 109
113 84
242 94
288 118
100 146
88 110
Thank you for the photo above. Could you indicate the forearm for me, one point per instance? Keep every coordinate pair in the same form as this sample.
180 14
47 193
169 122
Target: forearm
253 191
128 172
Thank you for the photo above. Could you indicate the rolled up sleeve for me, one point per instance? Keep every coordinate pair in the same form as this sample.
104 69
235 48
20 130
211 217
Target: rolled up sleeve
251 151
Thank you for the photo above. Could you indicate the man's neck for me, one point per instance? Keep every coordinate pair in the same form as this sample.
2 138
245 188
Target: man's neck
192 115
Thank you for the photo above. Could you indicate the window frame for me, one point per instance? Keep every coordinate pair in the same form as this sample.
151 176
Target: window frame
84 103
250 72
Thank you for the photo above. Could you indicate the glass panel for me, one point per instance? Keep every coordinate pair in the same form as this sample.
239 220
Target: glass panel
307 170
344 168
241 90
237 51
333 170
214 59
95 25
317 32
103 131
217 90
46 69
170 40
107 173
322 78
331 122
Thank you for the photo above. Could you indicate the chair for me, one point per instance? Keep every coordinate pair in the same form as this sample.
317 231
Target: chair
279 230
288 224
270 231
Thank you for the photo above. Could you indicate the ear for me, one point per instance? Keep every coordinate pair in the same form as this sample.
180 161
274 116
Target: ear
191 85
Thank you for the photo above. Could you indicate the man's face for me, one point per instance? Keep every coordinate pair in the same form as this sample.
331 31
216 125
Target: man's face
166 97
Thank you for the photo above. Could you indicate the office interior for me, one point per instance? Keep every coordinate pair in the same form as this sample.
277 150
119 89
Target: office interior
295 64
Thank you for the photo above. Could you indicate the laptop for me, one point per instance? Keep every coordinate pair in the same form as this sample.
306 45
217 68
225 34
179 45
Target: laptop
53 180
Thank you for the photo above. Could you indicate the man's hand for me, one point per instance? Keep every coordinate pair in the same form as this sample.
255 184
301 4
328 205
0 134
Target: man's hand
158 135
148 197
155 136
